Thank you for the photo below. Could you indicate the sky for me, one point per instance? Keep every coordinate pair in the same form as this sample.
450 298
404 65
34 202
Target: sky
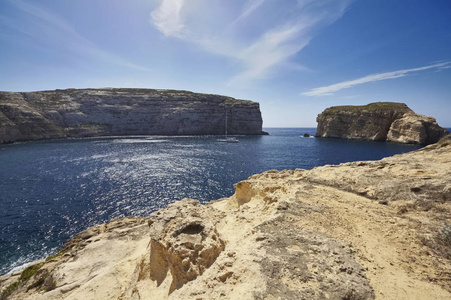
294 57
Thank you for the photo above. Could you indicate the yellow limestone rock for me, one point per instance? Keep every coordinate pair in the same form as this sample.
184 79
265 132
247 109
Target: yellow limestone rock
186 244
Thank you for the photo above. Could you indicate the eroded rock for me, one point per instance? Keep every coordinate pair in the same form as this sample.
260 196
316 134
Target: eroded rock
184 241
415 129
408 177
310 265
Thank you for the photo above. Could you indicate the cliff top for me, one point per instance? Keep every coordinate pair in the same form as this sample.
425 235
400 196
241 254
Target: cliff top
134 92
376 106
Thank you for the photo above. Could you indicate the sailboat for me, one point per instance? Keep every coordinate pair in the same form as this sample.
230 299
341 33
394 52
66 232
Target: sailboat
228 139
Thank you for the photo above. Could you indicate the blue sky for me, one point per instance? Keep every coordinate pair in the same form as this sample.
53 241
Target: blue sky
295 57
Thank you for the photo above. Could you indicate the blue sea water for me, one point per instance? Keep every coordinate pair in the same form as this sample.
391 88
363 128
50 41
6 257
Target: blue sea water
51 190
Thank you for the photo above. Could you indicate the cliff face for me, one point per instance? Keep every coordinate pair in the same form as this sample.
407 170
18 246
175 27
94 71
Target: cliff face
415 129
381 121
102 112
360 230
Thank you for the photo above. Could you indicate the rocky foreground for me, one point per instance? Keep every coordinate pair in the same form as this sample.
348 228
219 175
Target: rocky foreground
105 112
360 230
379 121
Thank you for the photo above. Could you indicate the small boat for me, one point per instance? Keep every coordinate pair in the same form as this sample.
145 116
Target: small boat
228 139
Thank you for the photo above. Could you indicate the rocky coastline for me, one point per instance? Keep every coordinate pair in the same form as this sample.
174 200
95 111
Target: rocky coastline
110 112
379 121
360 230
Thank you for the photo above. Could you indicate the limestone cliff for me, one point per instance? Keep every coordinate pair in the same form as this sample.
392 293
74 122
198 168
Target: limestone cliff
360 230
415 129
103 112
381 121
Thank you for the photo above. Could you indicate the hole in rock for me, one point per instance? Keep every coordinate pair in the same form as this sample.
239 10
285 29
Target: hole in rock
416 189
192 229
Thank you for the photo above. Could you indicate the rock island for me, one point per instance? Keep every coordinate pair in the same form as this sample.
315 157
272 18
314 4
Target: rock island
380 121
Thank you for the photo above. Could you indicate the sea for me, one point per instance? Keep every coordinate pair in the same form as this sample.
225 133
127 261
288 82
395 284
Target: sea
51 190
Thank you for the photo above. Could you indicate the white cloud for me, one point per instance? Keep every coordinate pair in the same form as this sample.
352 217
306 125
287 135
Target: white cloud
167 17
284 29
329 90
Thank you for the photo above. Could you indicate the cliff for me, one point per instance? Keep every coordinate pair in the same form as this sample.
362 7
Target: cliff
104 112
360 230
381 121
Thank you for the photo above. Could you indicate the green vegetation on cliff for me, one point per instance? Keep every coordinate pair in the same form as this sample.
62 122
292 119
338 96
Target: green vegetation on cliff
372 107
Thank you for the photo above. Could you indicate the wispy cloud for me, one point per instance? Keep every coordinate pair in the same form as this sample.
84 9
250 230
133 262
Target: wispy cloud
284 29
274 47
248 8
49 27
330 89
